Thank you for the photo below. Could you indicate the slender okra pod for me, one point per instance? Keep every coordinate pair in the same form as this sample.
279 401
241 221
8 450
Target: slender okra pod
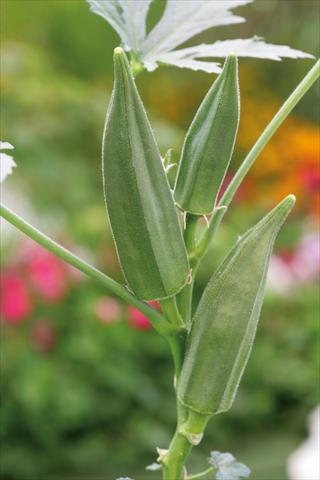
226 319
209 144
139 201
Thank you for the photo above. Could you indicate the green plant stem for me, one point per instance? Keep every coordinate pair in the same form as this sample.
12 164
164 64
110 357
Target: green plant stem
184 298
180 446
157 320
179 450
190 231
201 474
176 344
273 126
177 341
202 246
188 434
171 312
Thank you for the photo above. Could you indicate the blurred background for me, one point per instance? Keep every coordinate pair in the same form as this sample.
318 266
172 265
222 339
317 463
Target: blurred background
86 384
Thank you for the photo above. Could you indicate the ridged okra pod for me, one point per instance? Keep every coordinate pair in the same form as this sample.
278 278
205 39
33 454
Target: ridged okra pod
226 319
209 144
139 201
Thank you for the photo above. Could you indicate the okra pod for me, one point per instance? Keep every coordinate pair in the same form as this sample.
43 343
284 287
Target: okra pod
226 319
209 144
139 201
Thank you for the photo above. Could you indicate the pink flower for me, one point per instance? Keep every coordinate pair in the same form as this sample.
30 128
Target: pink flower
227 179
280 278
137 320
47 274
107 310
311 179
306 260
43 336
294 268
15 298
244 192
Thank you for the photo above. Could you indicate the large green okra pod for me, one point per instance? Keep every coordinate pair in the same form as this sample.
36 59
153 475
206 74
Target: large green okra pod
140 205
226 319
209 143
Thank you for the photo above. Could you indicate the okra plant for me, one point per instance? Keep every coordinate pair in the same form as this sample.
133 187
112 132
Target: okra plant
156 231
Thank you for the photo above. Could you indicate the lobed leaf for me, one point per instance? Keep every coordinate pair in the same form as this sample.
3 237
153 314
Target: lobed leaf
181 21
127 17
247 47
254 47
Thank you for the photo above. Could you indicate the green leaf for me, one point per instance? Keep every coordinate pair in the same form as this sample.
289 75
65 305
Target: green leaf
209 143
139 201
226 319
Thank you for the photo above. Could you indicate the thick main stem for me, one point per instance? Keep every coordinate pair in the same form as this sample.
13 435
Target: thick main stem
176 458
188 434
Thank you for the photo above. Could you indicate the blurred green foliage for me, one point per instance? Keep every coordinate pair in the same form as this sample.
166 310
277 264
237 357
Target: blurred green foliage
99 403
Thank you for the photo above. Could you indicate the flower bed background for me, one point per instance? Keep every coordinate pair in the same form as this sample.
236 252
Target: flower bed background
78 365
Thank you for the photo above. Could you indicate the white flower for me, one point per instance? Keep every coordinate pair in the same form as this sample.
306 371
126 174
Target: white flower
303 266
304 463
6 161
280 278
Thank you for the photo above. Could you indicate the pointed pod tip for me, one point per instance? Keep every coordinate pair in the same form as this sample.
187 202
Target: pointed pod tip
282 210
231 58
230 67
118 51
119 55
290 200
121 64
